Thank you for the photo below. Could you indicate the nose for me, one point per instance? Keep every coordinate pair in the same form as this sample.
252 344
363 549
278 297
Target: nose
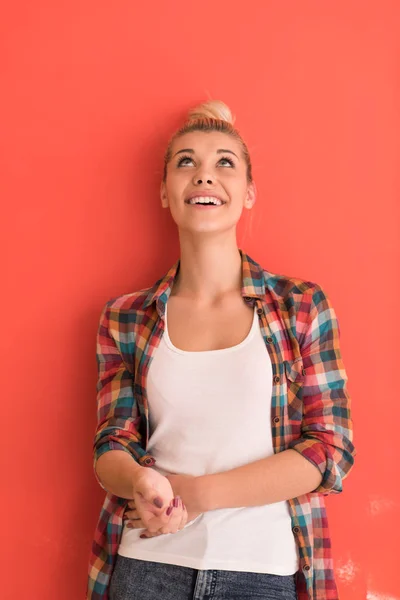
199 181
203 176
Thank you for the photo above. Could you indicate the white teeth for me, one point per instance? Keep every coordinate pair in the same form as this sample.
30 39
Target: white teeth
205 200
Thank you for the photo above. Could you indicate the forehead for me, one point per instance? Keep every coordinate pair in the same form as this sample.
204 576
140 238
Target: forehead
206 141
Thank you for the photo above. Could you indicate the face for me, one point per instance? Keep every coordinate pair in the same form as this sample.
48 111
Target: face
207 164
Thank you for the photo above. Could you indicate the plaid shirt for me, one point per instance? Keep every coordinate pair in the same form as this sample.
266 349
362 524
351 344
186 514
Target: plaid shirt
310 410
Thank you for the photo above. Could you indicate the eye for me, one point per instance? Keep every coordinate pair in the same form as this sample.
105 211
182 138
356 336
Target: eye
182 159
225 158
229 160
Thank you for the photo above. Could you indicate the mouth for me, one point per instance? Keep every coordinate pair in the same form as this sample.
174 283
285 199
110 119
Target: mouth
205 201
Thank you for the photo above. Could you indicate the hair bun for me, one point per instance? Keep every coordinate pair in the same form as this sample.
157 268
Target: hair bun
212 109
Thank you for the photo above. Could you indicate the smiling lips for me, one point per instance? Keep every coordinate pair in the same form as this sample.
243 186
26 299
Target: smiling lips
204 201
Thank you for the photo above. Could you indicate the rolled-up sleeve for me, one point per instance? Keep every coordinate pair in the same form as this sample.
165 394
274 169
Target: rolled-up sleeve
327 429
118 416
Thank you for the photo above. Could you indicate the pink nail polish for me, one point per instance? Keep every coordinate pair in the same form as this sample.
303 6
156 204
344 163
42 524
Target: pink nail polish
169 510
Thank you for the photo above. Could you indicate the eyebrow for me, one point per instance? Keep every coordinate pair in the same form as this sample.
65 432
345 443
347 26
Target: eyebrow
219 151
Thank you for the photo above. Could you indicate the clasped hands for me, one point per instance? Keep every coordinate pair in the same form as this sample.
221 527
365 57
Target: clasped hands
161 503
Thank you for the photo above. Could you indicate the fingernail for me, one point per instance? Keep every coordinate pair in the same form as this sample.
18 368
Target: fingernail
169 510
176 501
143 536
158 502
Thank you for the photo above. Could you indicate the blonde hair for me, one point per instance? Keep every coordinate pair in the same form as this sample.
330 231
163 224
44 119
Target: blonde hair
213 115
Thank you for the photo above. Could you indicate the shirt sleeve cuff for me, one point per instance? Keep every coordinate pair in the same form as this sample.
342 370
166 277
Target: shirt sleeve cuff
143 458
315 452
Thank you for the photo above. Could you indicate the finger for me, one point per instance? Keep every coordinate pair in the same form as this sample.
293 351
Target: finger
131 514
173 524
149 534
184 518
136 524
179 514
150 496
158 522
167 515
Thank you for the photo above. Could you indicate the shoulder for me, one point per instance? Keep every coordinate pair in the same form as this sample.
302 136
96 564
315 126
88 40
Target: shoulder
284 286
299 298
303 306
279 286
118 308
128 301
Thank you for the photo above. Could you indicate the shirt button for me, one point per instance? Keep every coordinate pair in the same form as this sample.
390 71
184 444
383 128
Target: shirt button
270 339
306 567
276 419
303 371
260 311
296 529
276 378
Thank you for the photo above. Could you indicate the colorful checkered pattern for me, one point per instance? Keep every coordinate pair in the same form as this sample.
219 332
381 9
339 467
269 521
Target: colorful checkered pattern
310 409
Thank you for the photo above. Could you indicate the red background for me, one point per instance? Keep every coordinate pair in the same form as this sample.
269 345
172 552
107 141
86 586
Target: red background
91 92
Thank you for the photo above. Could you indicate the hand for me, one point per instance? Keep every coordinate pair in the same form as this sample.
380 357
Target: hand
152 504
148 508
170 520
152 494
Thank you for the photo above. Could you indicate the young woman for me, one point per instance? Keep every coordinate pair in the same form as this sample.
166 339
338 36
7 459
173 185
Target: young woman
223 409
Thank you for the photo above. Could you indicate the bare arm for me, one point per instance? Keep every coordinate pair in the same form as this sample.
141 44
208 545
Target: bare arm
273 479
116 471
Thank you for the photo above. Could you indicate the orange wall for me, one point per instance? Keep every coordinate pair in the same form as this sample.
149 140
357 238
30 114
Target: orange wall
91 91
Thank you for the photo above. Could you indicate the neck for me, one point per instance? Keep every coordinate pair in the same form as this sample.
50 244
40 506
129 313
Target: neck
209 269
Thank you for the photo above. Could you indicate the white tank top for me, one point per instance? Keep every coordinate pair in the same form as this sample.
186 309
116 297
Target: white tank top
209 411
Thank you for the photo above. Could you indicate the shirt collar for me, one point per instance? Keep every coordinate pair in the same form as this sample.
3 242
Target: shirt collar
253 283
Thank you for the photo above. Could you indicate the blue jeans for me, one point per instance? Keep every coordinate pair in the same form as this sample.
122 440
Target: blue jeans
134 579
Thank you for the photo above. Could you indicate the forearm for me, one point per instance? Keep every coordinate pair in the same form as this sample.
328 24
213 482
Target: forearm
273 479
116 470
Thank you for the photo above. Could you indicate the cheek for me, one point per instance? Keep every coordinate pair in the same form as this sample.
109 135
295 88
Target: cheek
176 184
235 181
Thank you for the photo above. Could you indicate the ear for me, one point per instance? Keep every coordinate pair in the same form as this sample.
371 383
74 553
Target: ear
163 195
251 195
